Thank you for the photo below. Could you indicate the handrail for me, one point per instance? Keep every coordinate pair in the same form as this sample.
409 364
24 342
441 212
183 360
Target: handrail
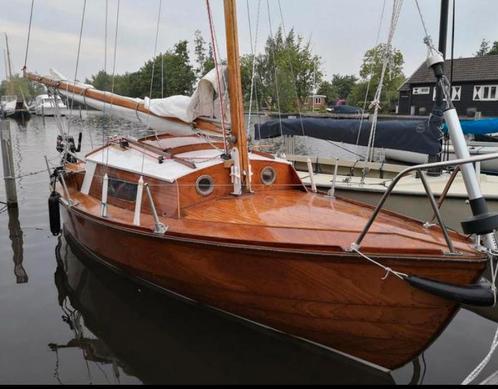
446 190
420 168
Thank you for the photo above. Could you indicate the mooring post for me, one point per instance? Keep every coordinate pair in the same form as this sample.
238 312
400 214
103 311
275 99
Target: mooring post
8 164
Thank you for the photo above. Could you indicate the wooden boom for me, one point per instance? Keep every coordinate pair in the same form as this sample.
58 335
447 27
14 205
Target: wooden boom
115 100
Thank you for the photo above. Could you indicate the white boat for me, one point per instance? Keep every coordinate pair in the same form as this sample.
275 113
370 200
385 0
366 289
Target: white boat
8 104
46 105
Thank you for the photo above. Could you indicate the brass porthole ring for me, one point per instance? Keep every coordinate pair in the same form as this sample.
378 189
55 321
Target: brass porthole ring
268 176
205 185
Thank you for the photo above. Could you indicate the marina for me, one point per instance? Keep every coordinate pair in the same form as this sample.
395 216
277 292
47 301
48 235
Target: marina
192 334
193 232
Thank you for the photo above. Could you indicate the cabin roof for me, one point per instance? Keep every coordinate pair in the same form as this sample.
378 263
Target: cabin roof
474 69
135 161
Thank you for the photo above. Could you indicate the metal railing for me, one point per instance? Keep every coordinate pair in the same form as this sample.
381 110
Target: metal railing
436 206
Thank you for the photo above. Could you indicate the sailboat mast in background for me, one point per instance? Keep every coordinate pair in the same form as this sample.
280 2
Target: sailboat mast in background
9 63
235 92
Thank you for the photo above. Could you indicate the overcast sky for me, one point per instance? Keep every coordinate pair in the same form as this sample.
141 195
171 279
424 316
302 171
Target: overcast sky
340 30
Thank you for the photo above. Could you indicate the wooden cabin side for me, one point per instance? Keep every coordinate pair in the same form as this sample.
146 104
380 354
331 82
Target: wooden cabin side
172 198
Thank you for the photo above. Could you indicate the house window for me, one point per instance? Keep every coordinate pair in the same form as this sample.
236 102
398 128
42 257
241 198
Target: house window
486 93
422 90
456 93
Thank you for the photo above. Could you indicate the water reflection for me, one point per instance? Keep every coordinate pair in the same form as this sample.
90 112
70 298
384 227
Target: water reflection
16 237
161 340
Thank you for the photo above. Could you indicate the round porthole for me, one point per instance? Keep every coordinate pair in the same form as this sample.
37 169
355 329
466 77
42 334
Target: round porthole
205 185
268 176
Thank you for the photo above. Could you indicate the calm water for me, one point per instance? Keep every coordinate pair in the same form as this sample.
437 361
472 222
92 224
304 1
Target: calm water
65 319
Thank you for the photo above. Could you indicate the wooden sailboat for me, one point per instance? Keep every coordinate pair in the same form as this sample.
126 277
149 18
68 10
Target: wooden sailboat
242 234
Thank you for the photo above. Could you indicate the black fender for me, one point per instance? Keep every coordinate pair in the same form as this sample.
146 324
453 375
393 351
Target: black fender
54 213
478 295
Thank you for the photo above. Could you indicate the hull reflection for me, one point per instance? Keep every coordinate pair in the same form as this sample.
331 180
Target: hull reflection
159 339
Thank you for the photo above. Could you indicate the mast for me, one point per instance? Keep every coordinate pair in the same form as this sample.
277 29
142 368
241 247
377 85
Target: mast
235 92
5 64
8 57
443 26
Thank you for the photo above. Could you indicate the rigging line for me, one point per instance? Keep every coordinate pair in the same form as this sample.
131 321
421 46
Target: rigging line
293 73
106 26
104 111
152 75
29 35
218 77
453 26
253 52
155 50
162 75
370 78
277 92
426 31
345 149
77 62
397 5
113 83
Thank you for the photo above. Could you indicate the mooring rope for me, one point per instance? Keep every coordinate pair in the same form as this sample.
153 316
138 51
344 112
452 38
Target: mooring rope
478 370
388 270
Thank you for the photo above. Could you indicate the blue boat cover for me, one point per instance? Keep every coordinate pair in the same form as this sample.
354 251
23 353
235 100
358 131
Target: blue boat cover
479 127
418 136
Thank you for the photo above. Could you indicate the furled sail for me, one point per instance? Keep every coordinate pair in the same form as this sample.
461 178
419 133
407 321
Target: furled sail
176 115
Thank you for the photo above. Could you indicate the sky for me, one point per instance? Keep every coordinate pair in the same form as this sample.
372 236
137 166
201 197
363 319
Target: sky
340 31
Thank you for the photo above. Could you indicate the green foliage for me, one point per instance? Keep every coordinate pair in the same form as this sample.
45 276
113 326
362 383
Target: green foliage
246 64
287 63
483 49
179 76
285 73
494 49
21 87
339 88
204 58
372 70
487 49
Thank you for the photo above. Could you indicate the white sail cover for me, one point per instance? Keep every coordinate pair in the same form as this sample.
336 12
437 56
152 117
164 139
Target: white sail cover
205 102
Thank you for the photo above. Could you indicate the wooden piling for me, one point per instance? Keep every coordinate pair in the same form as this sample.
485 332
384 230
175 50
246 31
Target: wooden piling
8 163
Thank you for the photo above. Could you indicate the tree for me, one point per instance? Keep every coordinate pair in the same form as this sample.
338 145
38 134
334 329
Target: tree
487 49
483 49
494 49
339 88
286 72
371 71
101 81
21 87
204 57
179 76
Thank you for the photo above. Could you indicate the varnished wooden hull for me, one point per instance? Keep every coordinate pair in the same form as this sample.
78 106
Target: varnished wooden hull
338 301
